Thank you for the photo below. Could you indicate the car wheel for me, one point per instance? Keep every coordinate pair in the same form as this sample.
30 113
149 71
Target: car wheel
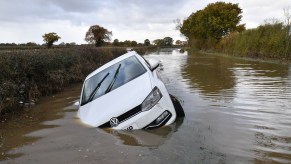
178 107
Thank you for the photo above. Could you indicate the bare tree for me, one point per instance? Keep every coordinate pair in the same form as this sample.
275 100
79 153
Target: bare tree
178 23
287 20
287 16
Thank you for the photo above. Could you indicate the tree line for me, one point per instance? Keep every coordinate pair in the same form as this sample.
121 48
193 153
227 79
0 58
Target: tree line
217 28
99 36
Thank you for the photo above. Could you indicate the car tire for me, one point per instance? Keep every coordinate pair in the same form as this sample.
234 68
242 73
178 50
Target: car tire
178 107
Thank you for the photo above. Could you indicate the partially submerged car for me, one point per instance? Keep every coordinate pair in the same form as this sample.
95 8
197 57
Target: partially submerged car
126 93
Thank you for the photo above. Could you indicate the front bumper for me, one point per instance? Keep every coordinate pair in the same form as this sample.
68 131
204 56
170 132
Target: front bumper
160 121
143 120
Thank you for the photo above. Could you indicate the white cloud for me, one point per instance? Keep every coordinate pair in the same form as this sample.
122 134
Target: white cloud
27 20
32 32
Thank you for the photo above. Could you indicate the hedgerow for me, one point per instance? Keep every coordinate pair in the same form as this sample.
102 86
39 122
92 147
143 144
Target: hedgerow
26 75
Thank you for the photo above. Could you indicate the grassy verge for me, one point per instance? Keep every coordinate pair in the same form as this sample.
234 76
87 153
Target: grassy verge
248 58
26 75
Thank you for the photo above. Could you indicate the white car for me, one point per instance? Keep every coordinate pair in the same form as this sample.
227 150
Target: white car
126 93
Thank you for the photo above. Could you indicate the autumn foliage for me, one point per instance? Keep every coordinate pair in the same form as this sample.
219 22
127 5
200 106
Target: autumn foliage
206 27
97 35
50 38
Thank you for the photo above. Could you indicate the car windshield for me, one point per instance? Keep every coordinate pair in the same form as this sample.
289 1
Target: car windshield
111 78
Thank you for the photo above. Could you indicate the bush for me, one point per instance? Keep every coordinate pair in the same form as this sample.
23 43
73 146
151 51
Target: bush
265 41
29 74
145 50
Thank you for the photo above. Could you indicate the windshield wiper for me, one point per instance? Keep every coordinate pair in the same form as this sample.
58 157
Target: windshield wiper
113 80
96 89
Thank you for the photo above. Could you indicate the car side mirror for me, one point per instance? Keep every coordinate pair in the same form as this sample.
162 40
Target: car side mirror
77 103
154 64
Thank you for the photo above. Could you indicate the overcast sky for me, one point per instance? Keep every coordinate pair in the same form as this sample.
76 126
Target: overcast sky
23 21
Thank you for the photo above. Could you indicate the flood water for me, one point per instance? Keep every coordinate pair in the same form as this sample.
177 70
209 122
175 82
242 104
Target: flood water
237 111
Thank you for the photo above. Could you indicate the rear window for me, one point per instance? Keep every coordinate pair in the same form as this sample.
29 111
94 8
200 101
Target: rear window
115 75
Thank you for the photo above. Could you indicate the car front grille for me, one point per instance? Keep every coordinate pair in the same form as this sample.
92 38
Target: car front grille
125 116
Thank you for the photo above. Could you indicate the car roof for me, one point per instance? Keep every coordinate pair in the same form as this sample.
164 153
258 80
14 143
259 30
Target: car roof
112 62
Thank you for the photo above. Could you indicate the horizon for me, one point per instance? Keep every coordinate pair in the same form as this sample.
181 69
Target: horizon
27 21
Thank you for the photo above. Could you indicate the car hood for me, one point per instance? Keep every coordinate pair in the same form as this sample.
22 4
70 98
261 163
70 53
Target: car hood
116 102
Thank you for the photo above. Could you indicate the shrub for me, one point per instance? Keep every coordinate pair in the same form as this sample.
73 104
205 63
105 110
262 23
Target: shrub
265 41
46 71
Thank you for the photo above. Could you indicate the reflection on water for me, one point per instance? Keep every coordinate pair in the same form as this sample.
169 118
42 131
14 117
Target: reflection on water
210 74
14 129
246 105
236 110
145 138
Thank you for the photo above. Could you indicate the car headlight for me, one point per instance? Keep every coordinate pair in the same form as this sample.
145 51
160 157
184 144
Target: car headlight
152 99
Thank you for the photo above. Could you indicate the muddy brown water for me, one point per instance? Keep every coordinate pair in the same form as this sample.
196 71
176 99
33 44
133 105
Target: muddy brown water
237 111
